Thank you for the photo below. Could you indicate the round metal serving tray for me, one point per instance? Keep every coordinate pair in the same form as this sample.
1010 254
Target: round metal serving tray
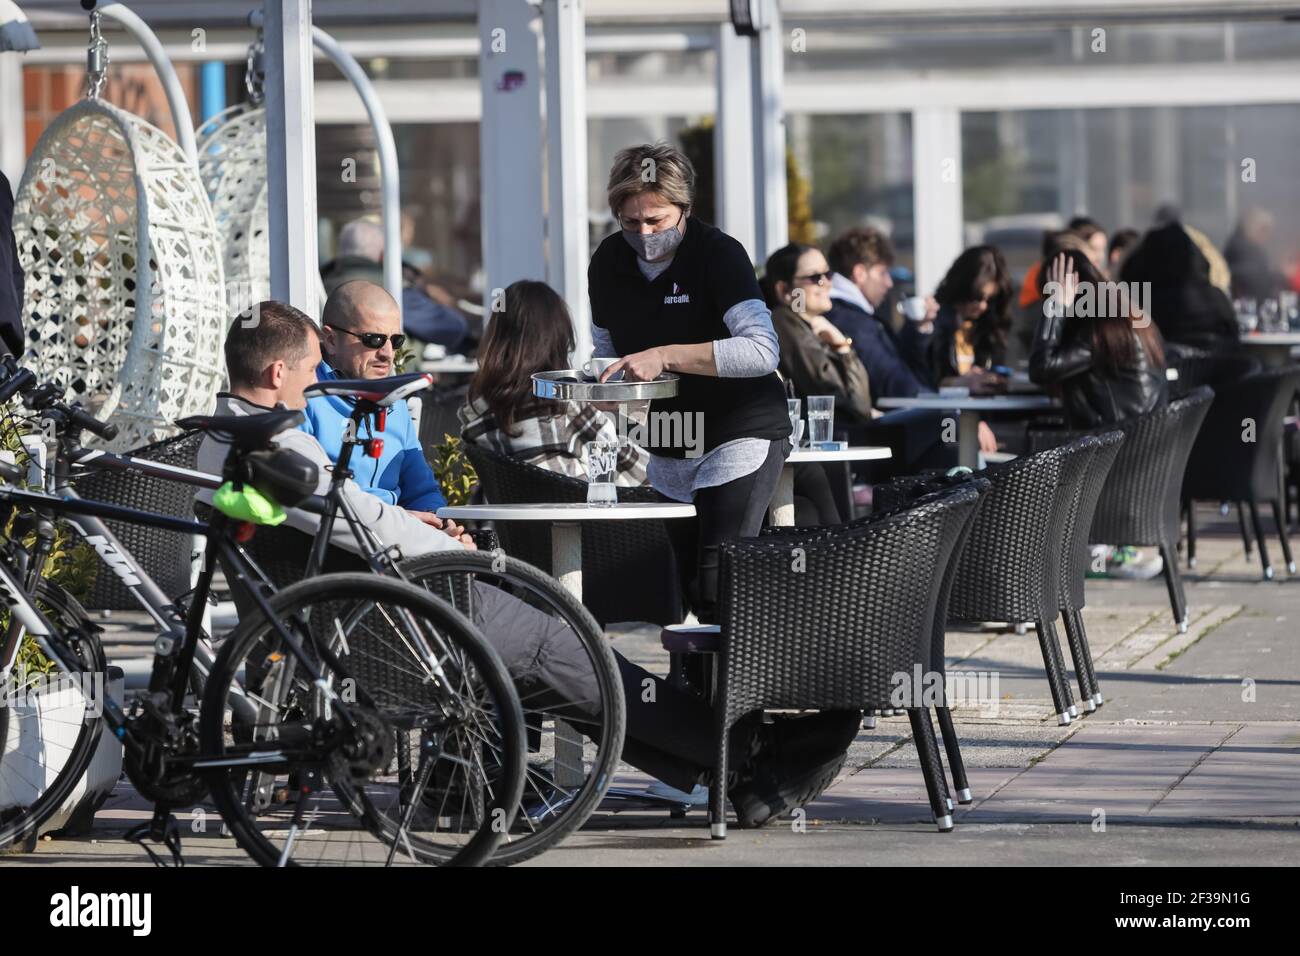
572 384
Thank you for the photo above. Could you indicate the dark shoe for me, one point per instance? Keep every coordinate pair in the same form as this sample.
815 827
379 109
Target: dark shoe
799 757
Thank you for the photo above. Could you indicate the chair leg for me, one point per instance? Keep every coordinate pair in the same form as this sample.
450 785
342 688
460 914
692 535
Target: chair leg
1191 534
718 791
1055 666
1279 518
1259 540
1245 532
1097 699
1174 582
956 765
927 748
1078 641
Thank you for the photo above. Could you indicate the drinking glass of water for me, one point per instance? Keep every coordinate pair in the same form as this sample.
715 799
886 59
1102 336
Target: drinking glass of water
1290 305
1247 314
795 408
601 461
821 418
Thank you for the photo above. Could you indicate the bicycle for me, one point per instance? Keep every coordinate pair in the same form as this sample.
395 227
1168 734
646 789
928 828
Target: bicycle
566 780
318 711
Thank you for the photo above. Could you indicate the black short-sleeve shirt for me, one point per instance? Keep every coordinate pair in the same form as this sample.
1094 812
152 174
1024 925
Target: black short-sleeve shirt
684 305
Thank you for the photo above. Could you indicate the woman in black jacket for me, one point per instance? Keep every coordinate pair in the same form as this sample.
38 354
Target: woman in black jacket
1107 364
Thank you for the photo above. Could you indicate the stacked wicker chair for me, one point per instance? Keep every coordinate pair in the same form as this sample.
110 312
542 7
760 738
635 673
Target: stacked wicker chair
1140 502
834 630
1237 454
614 553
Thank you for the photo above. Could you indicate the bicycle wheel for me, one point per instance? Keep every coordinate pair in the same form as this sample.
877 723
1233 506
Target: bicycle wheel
568 772
36 781
408 750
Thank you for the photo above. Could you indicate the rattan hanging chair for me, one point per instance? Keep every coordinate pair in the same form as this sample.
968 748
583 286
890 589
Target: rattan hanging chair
124 300
232 167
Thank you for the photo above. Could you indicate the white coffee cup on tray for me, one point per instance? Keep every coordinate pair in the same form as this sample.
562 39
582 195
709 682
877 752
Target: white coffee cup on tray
595 367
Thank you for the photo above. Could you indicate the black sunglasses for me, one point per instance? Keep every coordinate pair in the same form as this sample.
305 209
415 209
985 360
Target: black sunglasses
816 278
373 340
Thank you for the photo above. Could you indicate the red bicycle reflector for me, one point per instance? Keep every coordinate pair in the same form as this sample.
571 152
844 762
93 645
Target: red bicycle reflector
244 532
381 419
374 448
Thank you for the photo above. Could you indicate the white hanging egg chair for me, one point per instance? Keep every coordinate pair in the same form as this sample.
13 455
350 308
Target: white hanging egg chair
232 167
124 300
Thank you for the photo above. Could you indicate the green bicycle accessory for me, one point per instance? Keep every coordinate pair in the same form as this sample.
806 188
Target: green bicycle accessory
247 504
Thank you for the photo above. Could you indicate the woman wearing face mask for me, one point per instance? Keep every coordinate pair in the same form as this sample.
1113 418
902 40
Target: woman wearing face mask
671 293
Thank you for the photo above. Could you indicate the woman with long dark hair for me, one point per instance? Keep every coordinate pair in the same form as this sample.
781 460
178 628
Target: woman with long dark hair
1109 364
535 334
970 332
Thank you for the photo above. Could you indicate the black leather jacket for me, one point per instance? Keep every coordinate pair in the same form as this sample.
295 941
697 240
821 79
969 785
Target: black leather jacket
1091 397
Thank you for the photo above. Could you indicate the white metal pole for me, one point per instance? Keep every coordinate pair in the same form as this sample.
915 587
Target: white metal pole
13 138
768 71
937 206
388 173
733 150
176 102
291 153
510 141
568 232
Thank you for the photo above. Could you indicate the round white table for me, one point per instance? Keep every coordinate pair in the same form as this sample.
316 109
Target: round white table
566 526
1272 348
781 511
968 444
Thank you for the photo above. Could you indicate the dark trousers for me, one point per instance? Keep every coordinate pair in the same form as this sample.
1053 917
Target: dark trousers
732 510
669 731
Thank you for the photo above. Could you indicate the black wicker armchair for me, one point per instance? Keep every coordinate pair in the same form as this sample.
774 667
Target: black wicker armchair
614 553
1237 454
833 627
1140 502
164 555
1212 370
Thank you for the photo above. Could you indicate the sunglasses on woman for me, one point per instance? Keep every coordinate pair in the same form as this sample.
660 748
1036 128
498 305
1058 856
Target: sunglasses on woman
816 278
373 340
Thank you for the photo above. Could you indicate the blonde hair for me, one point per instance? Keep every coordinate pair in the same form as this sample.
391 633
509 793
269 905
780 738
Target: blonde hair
651 168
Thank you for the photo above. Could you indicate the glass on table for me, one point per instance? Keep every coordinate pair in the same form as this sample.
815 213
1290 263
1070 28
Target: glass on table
1270 316
600 458
1289 303
1247 314
795 408
821 419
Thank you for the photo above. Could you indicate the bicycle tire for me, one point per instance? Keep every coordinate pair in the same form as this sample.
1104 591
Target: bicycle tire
225 784
500 568
68 617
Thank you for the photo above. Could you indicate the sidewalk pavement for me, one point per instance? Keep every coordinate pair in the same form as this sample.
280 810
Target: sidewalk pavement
1194 758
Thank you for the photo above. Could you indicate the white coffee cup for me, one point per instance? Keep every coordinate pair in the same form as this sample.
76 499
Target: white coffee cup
595 367
914 307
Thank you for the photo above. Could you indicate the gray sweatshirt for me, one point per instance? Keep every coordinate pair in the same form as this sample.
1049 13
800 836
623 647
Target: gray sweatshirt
391 525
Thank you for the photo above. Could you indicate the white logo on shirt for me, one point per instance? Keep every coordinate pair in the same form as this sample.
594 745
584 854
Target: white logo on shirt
679 296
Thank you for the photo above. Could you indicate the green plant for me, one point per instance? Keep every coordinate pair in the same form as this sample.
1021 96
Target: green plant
456 476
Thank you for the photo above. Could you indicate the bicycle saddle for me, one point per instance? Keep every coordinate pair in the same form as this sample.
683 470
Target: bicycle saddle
245 431
380 392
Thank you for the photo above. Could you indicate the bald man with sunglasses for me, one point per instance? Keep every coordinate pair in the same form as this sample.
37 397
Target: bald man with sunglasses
361 333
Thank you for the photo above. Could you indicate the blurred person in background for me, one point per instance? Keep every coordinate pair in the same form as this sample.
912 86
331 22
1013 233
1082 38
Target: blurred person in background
861 259
1120 244
1093 236
360 255
1248 259
1191 310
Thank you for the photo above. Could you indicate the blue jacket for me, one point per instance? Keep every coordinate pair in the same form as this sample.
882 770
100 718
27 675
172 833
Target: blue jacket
888 371
400 476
